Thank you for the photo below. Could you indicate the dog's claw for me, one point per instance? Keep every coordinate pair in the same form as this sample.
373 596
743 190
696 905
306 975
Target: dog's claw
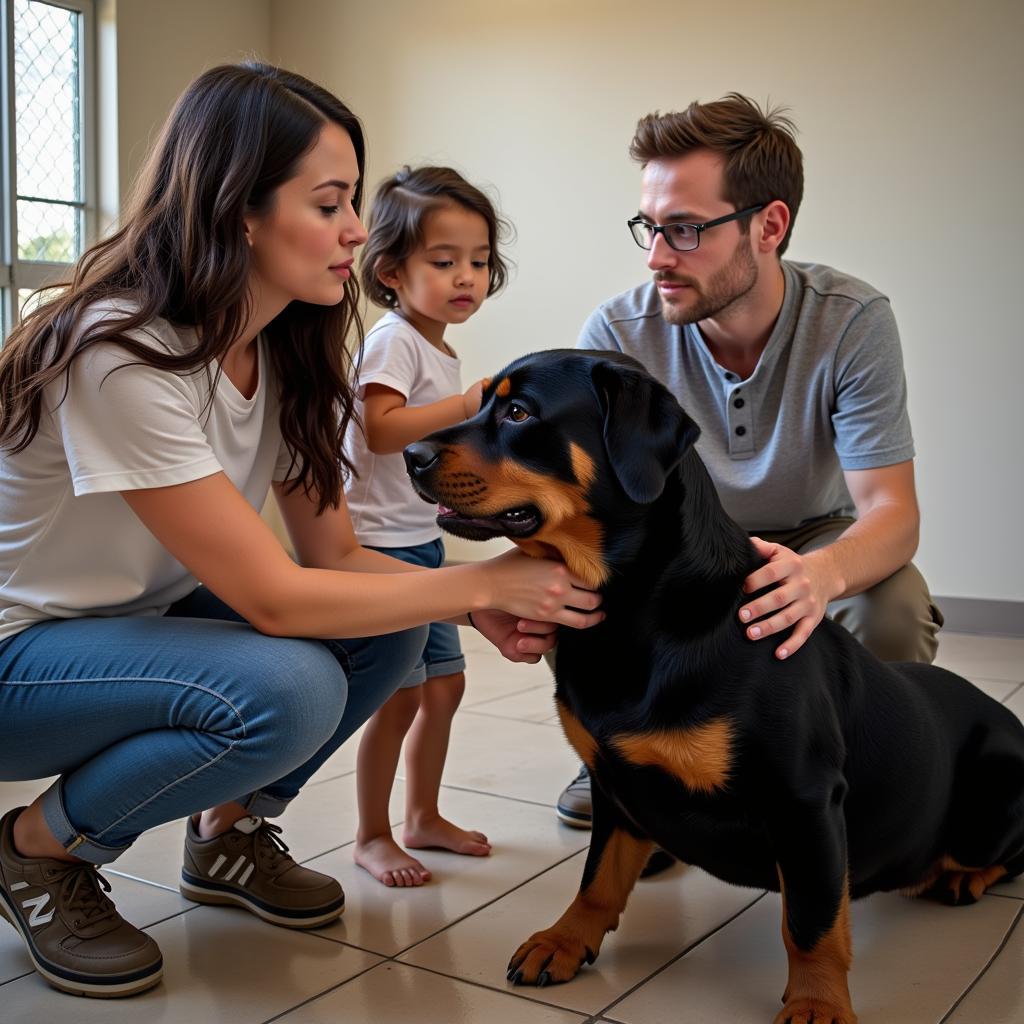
543 978
591 955
516 978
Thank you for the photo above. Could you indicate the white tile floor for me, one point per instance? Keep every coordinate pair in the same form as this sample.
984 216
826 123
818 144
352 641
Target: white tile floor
690 949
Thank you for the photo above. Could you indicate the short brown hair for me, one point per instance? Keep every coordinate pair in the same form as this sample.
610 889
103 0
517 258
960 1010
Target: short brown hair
762 160
396 220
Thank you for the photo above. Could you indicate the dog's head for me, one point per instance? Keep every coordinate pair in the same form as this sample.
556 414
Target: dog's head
568 446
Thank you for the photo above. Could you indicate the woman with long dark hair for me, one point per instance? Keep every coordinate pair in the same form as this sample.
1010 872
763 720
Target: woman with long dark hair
197 358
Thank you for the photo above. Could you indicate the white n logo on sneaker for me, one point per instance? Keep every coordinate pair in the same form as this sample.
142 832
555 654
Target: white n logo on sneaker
37 903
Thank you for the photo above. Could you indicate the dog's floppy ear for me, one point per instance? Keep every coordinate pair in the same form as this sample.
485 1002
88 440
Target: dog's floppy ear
646 431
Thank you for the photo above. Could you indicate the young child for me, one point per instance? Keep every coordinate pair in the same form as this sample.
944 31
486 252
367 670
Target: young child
431 259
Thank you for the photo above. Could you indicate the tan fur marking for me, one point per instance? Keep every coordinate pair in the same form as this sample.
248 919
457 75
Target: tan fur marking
582 465
577 935
701 757
953 875
504 388
622 860
818 978
581 741
474 487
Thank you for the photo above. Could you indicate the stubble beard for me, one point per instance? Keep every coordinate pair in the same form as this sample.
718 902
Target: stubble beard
726 288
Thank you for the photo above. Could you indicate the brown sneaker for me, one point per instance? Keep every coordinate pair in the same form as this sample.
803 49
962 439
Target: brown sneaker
249 865
76 938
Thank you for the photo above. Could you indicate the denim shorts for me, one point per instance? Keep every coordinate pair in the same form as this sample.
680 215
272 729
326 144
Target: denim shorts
442 655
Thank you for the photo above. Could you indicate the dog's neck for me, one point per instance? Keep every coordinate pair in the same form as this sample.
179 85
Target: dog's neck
692 556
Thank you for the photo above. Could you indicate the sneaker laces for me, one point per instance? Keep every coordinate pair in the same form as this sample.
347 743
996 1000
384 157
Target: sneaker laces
267 838
582 778
84 890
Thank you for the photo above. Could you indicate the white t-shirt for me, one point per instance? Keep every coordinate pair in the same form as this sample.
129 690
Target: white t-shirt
69 544
386 511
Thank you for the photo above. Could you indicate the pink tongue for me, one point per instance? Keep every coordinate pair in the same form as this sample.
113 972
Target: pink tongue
443 510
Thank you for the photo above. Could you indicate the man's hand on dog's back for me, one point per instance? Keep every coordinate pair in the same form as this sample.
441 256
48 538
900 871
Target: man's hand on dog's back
801 586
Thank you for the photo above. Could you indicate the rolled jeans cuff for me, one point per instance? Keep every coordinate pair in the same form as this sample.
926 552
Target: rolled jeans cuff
263 805
73 841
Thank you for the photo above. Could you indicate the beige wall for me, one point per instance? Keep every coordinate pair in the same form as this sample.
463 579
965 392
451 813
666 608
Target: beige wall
910 126
161 45
910 123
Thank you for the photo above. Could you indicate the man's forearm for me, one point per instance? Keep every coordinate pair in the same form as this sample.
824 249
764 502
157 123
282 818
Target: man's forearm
878 544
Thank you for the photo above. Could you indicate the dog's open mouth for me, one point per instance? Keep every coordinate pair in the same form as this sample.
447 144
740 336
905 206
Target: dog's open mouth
515 523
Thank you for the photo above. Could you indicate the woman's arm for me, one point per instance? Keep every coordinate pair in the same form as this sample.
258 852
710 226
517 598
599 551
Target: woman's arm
391 424
214 532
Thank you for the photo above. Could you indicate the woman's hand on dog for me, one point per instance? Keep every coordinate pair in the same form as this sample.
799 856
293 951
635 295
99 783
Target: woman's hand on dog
802 589
537 594
517 639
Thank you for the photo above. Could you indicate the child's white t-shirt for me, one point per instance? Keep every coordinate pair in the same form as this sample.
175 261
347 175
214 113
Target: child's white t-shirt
386 511
69 544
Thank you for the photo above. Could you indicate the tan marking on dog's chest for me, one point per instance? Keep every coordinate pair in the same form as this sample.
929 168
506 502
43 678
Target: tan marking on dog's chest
700 757
582 742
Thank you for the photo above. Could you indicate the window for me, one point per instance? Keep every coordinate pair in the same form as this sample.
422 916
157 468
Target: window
47 216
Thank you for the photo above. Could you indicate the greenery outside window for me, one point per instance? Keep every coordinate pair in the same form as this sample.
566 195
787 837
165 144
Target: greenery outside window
47 215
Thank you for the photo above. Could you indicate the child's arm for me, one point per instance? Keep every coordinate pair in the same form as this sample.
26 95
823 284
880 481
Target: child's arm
391 424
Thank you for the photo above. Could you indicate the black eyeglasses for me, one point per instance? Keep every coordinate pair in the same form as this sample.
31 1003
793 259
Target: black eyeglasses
681 237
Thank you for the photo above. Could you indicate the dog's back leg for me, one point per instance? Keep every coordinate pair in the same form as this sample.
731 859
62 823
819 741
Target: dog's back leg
986 827
812 866
614 863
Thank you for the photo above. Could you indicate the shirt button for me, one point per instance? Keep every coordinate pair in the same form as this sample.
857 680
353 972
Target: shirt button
740 431
738 403
730 376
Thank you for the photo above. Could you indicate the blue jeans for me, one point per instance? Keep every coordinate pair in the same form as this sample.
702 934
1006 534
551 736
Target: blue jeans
150 718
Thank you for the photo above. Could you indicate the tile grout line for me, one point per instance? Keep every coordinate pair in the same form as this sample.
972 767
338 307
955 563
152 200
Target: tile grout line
981 974
500 991
510 718
469 913
1013 693
1004 895
506 696
693 945
393 958
326 991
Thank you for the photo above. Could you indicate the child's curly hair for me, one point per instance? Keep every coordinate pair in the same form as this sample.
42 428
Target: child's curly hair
395 225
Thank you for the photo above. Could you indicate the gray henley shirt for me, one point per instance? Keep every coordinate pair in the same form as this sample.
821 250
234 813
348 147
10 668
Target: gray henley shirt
828 394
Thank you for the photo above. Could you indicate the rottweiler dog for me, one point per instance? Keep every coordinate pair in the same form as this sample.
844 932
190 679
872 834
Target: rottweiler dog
825 777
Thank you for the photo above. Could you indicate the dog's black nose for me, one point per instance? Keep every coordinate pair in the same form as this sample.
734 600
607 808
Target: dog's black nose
419 457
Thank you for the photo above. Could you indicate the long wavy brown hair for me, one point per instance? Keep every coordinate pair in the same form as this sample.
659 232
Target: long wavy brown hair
236 134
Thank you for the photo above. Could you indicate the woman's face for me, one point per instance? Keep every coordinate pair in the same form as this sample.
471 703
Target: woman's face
303 245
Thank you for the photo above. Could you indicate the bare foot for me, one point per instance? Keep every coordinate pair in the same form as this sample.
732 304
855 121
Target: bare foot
389 863
441 833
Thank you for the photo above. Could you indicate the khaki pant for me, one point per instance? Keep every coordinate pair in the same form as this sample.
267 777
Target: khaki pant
895 619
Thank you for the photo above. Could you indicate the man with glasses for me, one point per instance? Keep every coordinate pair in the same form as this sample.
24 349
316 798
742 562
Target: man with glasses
793 372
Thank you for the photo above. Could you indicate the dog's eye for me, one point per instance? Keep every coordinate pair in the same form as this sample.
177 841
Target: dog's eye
516 413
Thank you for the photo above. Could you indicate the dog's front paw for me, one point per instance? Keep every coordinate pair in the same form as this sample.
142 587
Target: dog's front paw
815 1011
549 956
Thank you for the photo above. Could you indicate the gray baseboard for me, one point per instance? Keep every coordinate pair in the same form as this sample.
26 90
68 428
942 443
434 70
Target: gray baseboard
978 615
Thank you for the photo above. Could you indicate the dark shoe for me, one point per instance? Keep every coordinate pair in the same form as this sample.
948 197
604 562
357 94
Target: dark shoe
74 935
249 865
573 805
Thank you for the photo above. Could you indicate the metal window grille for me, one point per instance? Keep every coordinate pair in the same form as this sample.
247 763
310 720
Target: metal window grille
48 213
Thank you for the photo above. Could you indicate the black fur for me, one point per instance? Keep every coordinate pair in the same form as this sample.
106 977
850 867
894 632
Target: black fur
841 767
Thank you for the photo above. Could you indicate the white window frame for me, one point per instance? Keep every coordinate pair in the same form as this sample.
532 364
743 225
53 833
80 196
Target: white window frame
17 274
